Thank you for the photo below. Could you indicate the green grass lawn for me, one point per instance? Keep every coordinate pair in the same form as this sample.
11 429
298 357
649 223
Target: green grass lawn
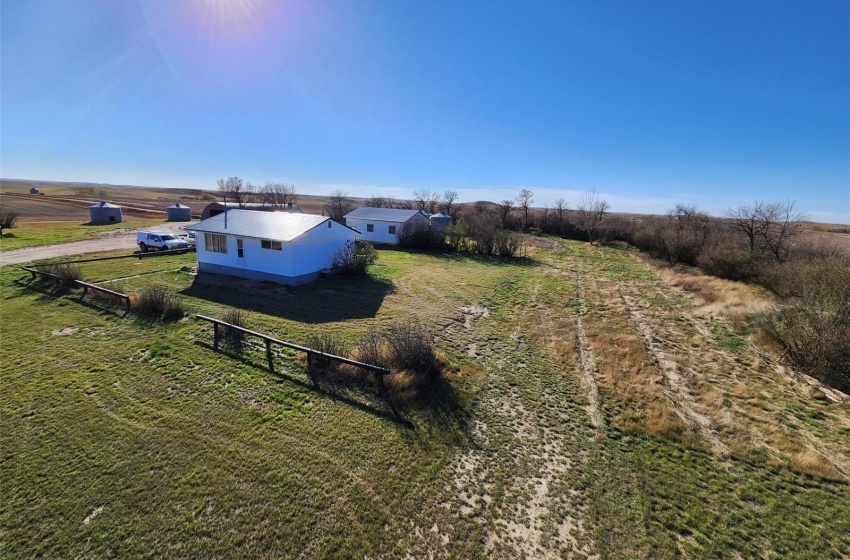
36 234
122 438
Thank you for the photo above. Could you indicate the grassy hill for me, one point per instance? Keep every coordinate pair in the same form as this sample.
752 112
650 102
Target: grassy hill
592 410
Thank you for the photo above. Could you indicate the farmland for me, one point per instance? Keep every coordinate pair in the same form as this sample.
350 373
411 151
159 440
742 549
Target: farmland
592 409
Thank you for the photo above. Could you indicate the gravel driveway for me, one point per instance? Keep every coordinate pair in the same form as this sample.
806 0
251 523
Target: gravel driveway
103 244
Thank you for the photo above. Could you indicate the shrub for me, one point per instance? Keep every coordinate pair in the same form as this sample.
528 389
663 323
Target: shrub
234 339
457 235
508 244
411 349
156 302
722 257
354 259
372 349
68 274
327 343
7 218
814 328
208 196
417 236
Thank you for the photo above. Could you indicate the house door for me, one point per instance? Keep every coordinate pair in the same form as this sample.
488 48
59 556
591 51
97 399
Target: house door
240 250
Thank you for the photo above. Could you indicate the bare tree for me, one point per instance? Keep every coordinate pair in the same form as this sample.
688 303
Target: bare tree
279 195
524 199
682 234
747 220
421 198
481 207
449 198
253 193
781 223
339 205
234 189
377 202
590 212
561 209
505 208
426 200
769 228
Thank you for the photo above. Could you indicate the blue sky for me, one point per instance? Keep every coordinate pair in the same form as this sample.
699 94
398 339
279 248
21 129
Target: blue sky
709 103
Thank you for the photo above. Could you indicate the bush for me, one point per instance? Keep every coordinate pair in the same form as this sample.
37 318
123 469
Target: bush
327 343
354 259
234 339
156 302
7 218
372 349
814 329
411 349
68 274
508 243
416 236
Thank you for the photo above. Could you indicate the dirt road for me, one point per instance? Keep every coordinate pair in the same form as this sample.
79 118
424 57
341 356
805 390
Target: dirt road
105 243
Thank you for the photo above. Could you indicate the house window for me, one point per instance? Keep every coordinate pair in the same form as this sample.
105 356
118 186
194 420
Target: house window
329 223
392 230
215 243
240 250
370 227
269 244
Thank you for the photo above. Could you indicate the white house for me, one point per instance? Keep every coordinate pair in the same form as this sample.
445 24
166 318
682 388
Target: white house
383 225
286 248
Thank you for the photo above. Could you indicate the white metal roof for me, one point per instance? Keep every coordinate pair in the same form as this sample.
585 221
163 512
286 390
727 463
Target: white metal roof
382 214
104 205
278 226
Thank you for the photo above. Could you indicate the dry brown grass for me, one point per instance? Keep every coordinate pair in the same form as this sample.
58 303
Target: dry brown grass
812 462
628 375
734 301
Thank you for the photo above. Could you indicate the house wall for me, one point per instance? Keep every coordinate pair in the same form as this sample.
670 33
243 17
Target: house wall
381 232
297 262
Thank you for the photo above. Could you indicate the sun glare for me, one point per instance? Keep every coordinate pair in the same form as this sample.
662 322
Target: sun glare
232 10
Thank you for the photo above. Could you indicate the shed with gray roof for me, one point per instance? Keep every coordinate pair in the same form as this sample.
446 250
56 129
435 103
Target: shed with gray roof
384 225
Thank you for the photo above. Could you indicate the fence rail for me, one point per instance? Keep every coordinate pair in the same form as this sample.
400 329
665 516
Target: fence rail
84 285
311 353
136 255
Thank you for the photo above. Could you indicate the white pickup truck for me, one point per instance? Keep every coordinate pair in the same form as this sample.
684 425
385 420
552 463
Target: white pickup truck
161 240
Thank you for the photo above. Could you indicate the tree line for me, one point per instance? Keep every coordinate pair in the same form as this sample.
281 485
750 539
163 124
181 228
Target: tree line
237 191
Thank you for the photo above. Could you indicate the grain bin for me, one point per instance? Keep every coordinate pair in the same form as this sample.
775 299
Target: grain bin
440 222
179 213
104 213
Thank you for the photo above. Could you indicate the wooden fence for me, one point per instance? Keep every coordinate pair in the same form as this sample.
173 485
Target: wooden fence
311 353
84 285
136 255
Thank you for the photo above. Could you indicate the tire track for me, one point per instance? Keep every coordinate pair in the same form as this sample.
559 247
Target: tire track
676 387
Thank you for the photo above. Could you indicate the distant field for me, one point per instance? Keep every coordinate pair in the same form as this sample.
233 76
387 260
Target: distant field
152 199
593 411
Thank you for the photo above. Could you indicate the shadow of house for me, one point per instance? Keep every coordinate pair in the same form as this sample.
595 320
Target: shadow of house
334 299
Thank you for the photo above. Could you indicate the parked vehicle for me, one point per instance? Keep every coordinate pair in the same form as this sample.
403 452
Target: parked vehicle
190 239
160 240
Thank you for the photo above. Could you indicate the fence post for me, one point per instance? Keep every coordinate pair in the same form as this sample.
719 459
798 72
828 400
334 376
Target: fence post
215 336
380 377
269 355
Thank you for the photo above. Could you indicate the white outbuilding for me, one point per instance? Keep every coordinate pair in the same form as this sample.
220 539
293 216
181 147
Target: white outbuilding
384 225
281 247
